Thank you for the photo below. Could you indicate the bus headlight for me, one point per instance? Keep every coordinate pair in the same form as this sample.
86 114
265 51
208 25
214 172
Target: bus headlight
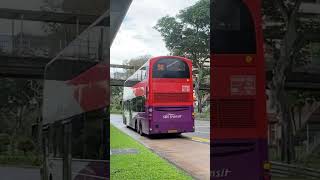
150 110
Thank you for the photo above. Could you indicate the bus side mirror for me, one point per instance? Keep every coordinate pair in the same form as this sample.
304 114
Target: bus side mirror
121 102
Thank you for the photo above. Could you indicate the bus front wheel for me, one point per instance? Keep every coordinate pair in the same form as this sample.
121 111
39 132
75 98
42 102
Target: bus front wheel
124 121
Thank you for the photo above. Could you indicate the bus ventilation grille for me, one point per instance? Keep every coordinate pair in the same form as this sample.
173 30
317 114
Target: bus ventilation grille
172 97
233 114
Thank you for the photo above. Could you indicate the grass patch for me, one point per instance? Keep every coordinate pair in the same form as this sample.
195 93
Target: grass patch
116 112
144 165
20 160
205 116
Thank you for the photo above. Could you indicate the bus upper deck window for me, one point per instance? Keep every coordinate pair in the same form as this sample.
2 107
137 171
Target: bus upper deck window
233 31
170 68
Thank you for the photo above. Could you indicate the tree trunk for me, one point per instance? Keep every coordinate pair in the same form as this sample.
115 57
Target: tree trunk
198 96
281 70
197 88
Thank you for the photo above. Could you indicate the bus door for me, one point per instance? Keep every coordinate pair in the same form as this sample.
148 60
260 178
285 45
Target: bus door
239 125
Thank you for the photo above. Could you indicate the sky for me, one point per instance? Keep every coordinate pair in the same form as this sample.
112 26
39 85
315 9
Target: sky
136 36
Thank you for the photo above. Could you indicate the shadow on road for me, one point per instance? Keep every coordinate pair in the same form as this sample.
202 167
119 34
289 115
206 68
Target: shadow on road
159 136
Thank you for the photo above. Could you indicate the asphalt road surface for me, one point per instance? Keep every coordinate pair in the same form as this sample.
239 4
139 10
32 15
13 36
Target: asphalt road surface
190 151
15 173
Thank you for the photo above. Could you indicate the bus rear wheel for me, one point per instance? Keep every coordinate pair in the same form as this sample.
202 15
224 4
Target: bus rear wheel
136 126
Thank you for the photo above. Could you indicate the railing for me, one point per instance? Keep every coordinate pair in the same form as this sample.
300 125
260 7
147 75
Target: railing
45 47
287 170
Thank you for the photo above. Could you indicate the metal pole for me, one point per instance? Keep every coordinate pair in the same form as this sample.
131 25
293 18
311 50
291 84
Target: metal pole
21 30
12 35
308 137
77 23
88 44
100 51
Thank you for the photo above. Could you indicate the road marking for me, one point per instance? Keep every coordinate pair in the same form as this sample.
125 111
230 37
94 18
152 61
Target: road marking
199 139
203 126
202 132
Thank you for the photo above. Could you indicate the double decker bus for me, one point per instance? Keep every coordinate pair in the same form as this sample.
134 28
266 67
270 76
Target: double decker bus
75 126
238 100
158 97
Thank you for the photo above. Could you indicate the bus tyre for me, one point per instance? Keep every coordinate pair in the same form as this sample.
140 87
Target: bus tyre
136 127
124 121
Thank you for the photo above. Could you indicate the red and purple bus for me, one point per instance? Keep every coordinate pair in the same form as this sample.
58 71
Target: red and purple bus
158 98
238 100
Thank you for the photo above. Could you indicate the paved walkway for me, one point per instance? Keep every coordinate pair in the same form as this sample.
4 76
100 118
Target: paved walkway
15 173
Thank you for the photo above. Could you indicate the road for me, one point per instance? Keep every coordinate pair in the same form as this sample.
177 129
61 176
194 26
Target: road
15 173
190 151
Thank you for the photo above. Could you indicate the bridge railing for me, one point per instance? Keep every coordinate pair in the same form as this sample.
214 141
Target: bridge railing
121 72
40 46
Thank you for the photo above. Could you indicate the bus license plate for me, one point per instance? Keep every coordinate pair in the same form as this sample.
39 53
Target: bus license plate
172 131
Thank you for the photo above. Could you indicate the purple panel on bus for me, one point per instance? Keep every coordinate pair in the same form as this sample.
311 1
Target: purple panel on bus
172 120
238 159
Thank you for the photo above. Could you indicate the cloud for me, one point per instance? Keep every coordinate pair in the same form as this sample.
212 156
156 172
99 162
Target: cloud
136 35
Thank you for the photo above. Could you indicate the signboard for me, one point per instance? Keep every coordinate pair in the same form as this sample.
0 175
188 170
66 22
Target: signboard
243 85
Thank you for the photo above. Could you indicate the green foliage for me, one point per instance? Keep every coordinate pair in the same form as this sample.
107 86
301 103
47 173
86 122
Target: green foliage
23 160
116 98
187 34
4 141
20 102
25 144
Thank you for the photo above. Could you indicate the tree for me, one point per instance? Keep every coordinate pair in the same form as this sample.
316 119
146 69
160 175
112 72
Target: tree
288 34
187 34
20 107
136 62
116 97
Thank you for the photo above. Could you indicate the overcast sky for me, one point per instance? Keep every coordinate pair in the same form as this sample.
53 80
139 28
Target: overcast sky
136 35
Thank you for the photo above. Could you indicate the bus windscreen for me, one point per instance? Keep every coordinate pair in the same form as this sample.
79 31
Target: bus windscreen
170 68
